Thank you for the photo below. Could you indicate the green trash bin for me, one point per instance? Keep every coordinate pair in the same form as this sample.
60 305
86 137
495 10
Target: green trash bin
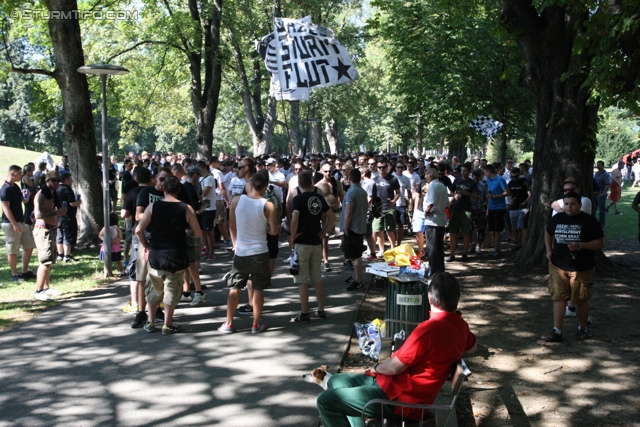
405 301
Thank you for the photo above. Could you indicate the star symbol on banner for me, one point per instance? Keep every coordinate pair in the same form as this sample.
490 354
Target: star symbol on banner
342 69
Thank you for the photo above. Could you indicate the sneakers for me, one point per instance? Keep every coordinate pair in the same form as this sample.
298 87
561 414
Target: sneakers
478 251
59 257
225 328
131 308
51 292
69 259
159 315
41 296
618 213
256 329
150 327
327 267
245 310
320 314
300 318
355 286
553 336
211 257
197 299
350 280
140 320
495 254
186 298
17 278
570 313
450 258
464 257
371 258
582 334
348 264
28 275
170 330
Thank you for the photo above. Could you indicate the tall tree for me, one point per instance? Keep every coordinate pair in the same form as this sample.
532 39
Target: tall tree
79 128
568 48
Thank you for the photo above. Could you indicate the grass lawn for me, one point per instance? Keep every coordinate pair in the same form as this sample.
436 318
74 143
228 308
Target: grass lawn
17 156
16 302
624 227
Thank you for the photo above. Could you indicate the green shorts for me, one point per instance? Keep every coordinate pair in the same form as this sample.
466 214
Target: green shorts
254 267
386 222
460 221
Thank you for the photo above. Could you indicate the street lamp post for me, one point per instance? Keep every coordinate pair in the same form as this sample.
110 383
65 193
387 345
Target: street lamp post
104 70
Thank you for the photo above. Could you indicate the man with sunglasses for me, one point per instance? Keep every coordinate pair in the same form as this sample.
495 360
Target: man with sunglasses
47 210
570 185
373 165
388 190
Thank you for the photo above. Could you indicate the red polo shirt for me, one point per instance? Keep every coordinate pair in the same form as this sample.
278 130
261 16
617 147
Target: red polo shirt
429 352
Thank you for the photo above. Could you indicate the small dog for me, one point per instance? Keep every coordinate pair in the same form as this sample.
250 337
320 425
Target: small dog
318 376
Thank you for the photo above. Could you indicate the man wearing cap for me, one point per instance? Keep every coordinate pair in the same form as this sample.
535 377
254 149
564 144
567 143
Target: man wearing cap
16 233
222 200
67 224
47 210
568 185
277 180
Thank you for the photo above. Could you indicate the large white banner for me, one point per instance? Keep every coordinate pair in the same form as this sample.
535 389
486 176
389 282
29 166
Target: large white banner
301 56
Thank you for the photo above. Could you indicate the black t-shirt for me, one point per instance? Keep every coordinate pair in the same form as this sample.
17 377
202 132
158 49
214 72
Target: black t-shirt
146 196
66 194
567 229
127 179
11 193
130 204
446 181
113 174
311 206
386 188
464 202
518 188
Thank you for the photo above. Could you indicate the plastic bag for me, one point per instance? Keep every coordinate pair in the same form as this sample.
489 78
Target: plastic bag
370 338
400 254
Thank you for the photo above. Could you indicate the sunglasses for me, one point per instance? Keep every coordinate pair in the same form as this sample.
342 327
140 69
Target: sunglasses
297 169
399 167
326 171
162 178
568 190
371 164
314 160
345 170
54 180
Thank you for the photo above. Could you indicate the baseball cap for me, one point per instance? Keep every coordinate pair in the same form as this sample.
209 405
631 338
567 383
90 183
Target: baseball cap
64 175
53 174
271 161
194 169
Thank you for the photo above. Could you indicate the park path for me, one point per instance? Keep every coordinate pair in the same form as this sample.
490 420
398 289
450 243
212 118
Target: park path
80 363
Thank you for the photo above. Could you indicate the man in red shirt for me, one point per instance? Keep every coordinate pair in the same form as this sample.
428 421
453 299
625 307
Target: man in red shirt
413 374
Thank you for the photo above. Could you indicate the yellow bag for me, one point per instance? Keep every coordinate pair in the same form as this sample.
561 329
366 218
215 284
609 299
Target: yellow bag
400 254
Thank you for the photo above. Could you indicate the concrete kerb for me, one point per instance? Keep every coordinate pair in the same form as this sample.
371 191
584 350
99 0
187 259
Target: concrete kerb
81 364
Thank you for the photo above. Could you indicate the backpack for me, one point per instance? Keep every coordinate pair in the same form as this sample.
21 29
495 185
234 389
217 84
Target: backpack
376 207
272 197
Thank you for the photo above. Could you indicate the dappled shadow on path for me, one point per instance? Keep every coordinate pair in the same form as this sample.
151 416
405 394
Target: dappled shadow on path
520 380
81 363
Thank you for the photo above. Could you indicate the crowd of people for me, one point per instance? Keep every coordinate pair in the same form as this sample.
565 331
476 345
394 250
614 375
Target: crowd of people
176 211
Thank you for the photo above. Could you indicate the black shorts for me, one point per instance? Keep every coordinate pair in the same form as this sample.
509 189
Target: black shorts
353 245
208 218
68 233
495 220
272 244
401 215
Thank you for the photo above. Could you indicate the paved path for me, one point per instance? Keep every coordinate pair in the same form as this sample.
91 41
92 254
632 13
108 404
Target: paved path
80 364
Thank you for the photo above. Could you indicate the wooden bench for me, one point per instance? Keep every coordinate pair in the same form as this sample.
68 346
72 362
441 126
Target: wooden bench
439 413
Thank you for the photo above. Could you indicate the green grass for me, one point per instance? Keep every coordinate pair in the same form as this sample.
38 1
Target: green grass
16 302
623 227
17 156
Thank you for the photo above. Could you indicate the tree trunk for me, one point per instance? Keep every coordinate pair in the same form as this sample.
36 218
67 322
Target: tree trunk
79 127
419 135
294 126
316 138
331 132
503 150
458 148
565 125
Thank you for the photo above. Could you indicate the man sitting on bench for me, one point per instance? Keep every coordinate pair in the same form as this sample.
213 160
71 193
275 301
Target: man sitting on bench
414 374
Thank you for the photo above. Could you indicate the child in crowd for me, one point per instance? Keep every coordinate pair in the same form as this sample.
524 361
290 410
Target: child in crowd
116 237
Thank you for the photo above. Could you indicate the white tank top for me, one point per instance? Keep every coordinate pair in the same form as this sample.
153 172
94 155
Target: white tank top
251 226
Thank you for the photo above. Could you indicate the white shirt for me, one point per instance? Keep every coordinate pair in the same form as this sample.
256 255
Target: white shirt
405 186
367 184
414 178
217 174
438 196
251 226
237 186
209 181
586 205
